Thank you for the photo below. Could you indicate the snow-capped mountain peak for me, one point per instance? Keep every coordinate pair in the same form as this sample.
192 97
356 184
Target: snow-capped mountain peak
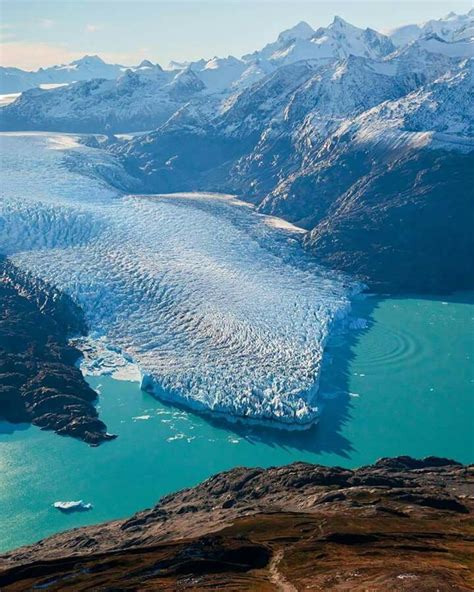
300 31
223 75
339 40
146 64
186 81
451 28
340 24
88 60
217 62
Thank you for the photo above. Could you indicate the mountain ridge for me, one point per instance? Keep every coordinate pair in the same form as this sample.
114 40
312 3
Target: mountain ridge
274 129
450 28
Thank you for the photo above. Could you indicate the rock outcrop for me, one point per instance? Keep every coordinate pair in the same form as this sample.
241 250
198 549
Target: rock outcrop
39 382
400 524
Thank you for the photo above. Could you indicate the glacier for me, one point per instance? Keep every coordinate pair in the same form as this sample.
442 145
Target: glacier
217 305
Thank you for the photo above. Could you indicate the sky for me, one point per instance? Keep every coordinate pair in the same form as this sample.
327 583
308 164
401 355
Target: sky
35 33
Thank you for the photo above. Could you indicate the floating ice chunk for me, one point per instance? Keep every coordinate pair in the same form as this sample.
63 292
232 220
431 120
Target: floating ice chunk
358 323
176 437
73 506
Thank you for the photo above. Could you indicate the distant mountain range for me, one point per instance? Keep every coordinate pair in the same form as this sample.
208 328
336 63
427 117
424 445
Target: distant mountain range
100 97
301 42
452 28
14 80
356 136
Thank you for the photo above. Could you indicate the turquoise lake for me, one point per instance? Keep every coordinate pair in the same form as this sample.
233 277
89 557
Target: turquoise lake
402 386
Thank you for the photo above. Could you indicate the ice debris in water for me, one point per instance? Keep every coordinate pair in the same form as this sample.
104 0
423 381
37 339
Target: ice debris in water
73 506
358 323
219 310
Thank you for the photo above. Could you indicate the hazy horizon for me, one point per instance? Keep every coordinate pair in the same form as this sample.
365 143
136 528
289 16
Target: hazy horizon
35 34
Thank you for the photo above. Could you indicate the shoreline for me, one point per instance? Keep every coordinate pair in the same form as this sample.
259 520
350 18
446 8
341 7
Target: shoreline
357 524
40 382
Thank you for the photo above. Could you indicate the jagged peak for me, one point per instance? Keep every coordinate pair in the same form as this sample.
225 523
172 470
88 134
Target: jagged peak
175 65
340 23
216 61
187 78
301 30
89 59
147 64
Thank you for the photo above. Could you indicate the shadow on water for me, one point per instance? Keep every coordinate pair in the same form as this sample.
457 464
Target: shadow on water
464 297
335 400
9 428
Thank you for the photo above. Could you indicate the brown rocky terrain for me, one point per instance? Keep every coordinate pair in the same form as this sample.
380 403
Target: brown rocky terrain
39 382
400 524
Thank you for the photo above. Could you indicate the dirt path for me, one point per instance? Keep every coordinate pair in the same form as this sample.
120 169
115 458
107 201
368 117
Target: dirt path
277 577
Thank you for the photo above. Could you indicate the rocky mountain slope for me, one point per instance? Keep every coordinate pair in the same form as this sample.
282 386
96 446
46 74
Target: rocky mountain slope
401 524
139 99
272 126
355 151
385 187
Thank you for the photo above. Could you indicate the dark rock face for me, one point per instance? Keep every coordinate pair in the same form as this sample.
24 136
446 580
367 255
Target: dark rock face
399 219
400 524
171 160
391 209
405 225
38 380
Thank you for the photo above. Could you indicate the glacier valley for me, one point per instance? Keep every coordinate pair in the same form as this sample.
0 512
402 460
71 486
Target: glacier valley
218 306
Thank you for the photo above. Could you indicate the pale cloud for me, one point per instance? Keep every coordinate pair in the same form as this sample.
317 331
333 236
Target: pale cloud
6 32
30 56
125 58
46 23
90 28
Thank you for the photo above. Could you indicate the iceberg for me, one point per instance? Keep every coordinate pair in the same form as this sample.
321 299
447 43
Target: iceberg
67 507
358 324
217 309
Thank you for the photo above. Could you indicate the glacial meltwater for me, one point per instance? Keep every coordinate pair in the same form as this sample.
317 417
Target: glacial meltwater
233 285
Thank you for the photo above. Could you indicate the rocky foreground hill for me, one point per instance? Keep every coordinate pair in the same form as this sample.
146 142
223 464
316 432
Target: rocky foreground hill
400 524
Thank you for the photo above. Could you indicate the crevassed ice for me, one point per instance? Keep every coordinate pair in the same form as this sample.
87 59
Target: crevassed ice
219 309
